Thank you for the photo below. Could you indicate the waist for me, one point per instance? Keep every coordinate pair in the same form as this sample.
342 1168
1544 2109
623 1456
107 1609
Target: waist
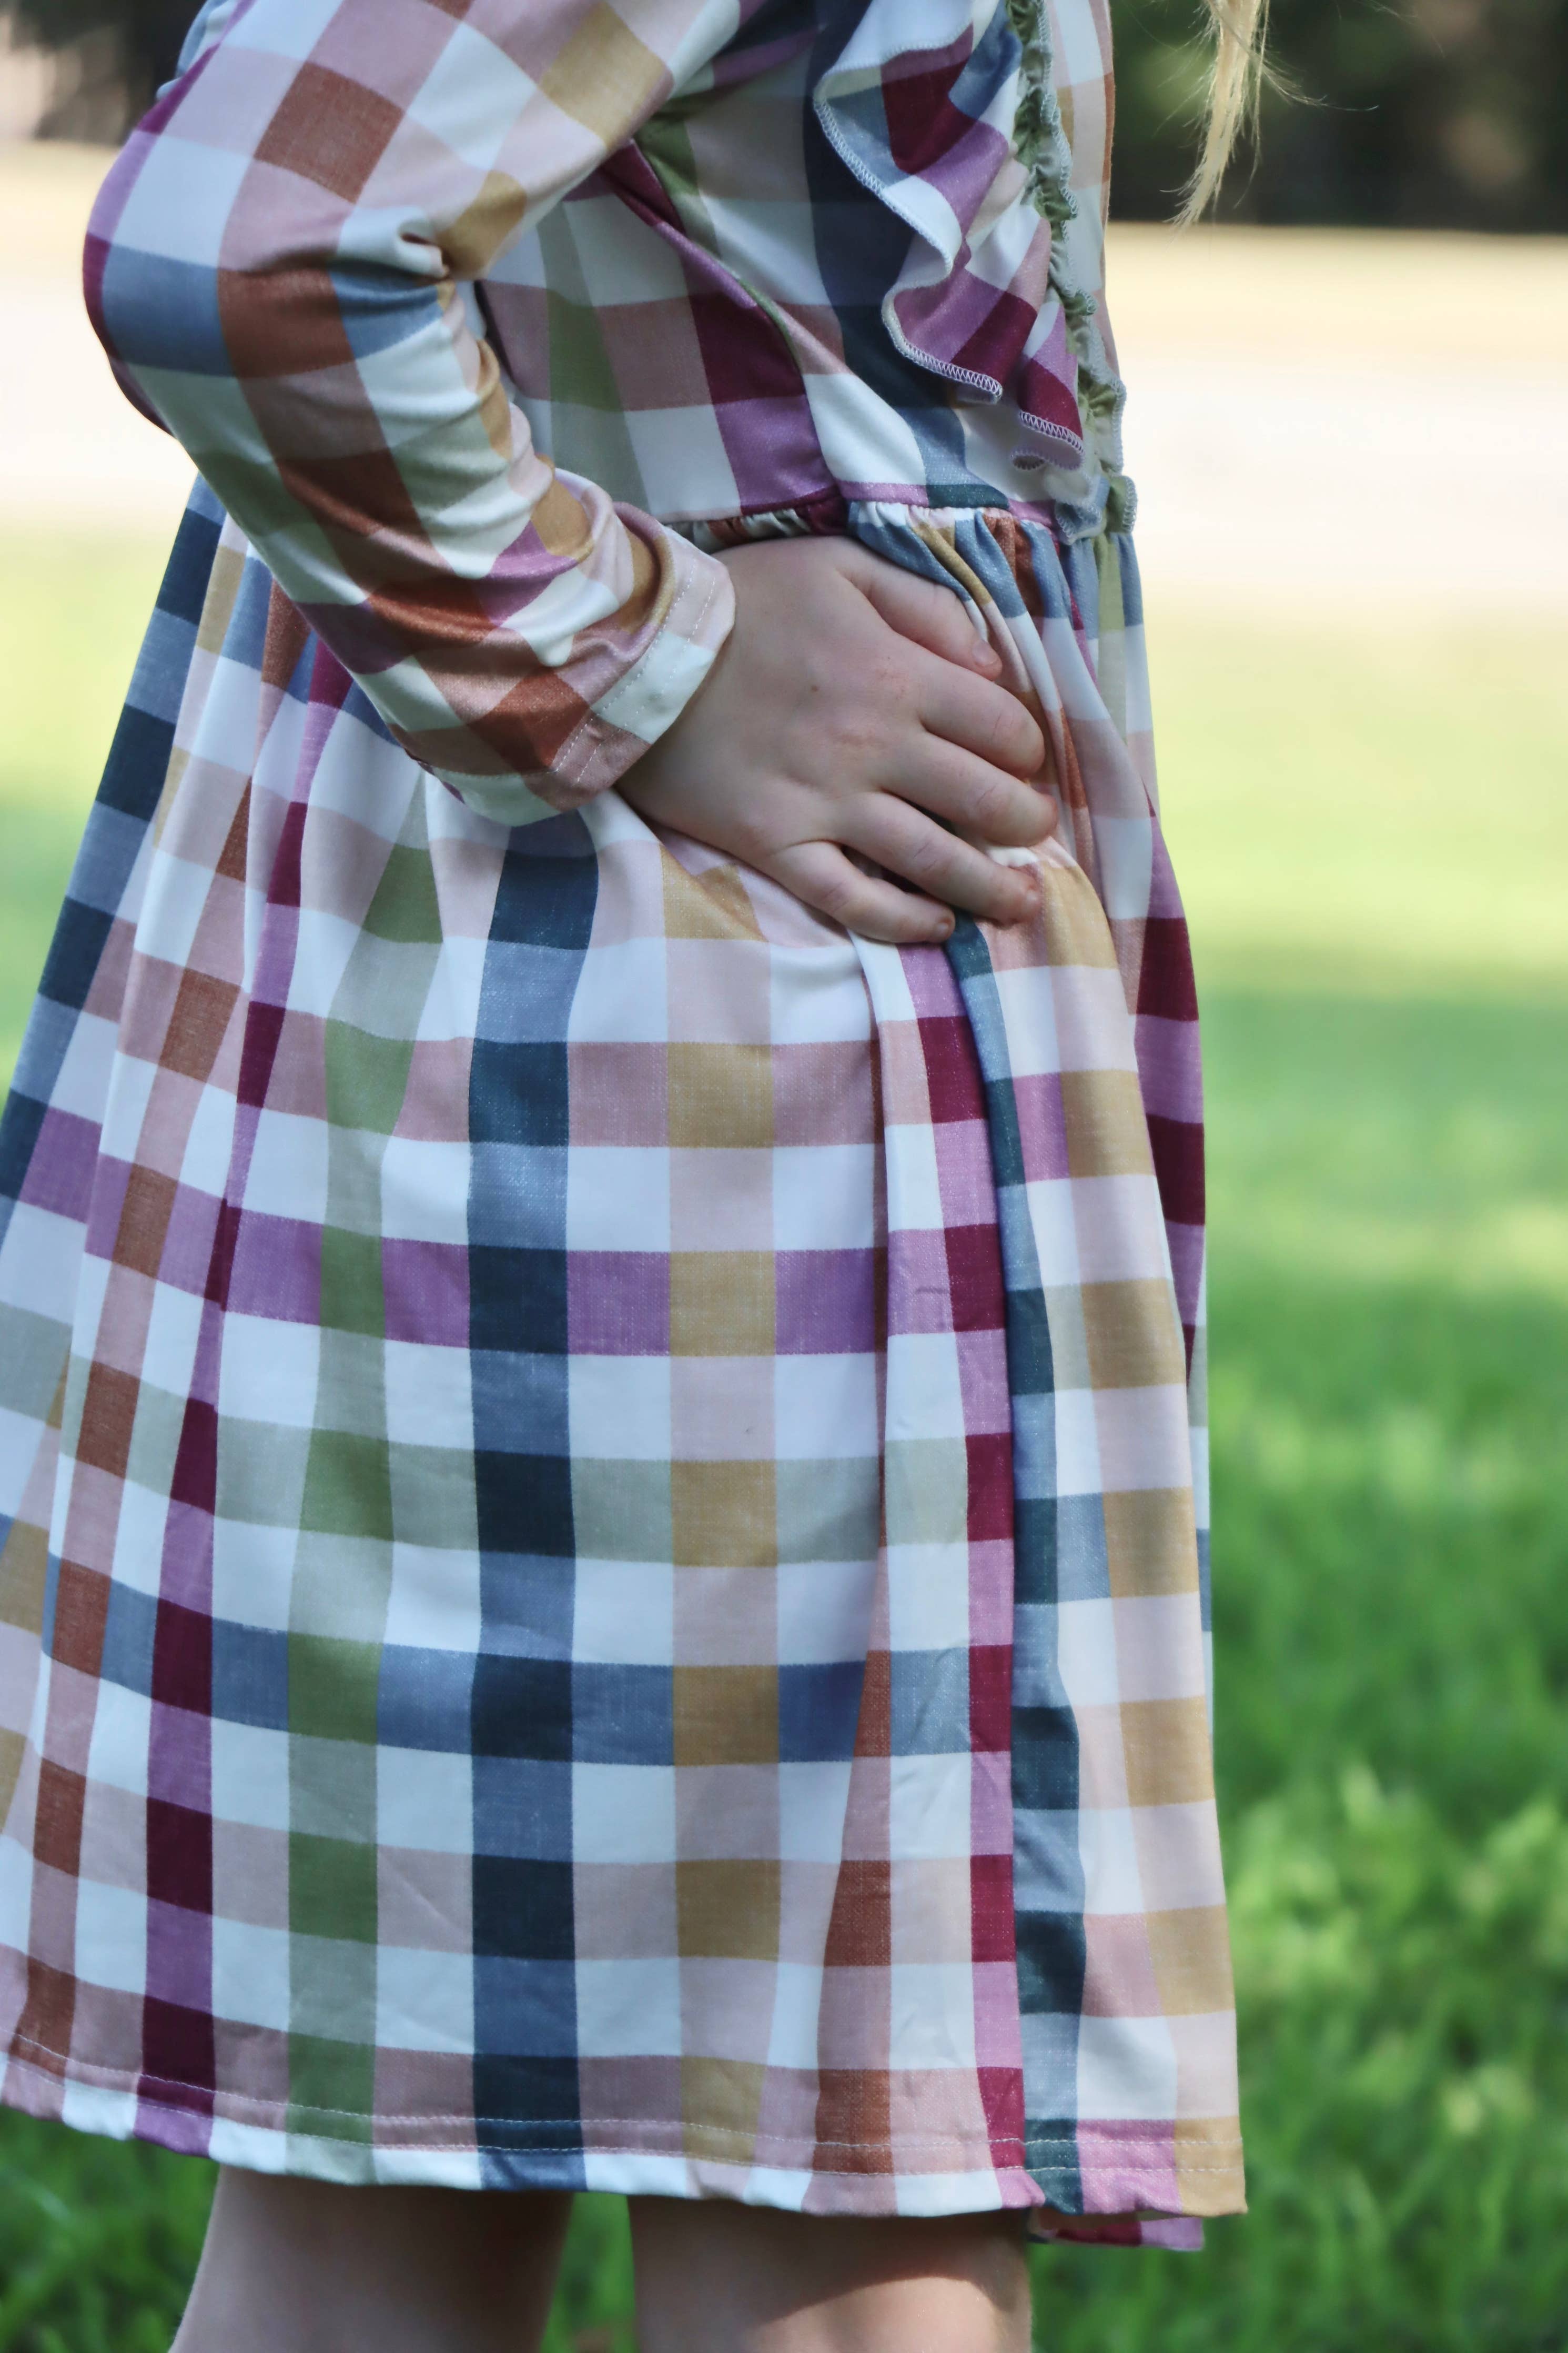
837 513
1010 552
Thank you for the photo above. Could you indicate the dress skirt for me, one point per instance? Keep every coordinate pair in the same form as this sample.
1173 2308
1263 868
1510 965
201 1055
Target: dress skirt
601 1483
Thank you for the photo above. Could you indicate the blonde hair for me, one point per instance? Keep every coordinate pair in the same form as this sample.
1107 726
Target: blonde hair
1234 84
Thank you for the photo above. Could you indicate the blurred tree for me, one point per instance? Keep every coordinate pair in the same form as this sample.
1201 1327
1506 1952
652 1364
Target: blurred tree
146 37
1440 113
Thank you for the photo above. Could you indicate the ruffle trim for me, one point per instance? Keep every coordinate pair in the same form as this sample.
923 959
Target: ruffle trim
205 31
1040 144
946 110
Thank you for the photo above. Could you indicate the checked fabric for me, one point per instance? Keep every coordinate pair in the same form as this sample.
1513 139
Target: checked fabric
603 1556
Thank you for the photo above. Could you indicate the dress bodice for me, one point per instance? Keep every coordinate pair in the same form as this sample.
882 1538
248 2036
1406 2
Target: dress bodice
859 253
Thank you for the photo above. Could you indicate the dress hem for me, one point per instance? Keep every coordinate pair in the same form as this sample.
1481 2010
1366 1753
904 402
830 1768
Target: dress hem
116 2109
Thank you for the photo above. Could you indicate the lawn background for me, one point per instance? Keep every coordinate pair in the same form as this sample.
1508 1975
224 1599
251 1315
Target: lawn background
1372 825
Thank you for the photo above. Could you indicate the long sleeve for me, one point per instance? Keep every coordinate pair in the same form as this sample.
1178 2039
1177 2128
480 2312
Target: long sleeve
277 267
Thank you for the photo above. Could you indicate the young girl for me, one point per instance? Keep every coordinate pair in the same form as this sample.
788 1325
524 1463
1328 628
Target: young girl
602 1308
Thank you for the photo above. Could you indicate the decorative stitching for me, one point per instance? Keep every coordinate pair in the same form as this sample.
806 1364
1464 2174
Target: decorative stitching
130 2079
589 718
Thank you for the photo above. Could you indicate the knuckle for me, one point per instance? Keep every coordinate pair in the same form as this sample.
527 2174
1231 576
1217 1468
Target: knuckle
865 723
990 805
855 737
752 842
1010 734
992 732
888 673
837 896
926 857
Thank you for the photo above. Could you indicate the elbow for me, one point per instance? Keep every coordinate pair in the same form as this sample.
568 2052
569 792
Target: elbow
271 291
156 315
173 325
178 332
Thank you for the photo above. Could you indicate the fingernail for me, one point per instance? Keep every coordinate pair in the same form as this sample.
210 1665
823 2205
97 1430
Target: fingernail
987 656
944 928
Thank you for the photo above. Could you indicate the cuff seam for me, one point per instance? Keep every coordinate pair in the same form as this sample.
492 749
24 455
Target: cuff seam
589 722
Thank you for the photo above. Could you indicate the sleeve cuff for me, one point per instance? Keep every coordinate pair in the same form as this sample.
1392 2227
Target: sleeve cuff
648 698
632 711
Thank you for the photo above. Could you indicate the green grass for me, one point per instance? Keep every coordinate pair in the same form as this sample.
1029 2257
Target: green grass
71 616
1385 947
1383 813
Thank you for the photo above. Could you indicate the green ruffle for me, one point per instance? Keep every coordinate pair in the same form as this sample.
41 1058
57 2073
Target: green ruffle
1040 144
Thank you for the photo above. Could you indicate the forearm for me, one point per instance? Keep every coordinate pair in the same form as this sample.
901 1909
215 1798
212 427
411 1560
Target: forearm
275 267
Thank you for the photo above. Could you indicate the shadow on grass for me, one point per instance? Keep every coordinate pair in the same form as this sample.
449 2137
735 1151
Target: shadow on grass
1392 1645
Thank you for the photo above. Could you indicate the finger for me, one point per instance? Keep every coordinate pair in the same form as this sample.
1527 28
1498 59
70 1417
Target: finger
923 853
973 795
820 874
936 618
983 717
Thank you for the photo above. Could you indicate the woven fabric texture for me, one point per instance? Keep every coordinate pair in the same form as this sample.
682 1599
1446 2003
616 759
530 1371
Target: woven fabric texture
602 1559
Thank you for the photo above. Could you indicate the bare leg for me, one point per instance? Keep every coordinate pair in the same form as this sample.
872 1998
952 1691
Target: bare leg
718 2278
293 2266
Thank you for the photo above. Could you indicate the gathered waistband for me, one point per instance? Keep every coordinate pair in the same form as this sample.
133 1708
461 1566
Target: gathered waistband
1003 554
831 513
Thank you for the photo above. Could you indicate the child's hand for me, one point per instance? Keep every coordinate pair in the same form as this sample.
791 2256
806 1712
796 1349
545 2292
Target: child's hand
852 708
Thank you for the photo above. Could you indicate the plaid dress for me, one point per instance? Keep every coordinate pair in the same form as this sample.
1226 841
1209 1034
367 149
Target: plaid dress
603 1577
